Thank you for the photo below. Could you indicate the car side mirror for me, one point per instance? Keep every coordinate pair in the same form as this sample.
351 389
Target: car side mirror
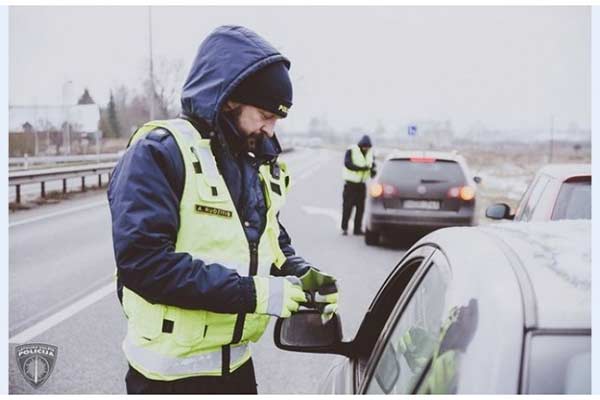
477 179
304 332
499 211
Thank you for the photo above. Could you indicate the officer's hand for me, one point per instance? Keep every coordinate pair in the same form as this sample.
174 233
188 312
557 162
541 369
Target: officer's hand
373 172
278 296
323 291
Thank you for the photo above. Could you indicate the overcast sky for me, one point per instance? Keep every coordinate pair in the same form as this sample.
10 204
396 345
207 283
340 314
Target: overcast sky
507 67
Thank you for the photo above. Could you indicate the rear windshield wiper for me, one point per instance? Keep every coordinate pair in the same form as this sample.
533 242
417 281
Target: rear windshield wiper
432 180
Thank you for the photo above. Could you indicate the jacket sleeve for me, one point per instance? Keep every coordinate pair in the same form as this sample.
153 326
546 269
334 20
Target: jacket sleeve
144 196
348 162
294 265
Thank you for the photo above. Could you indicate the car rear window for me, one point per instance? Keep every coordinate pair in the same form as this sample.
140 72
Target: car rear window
404 171
574 200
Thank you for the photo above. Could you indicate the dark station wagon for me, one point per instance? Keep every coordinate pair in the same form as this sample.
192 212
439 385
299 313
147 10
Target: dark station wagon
419 191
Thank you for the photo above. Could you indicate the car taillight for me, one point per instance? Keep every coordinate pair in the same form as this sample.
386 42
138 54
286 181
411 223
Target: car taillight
383 189
454 192
376 190
389 190
465 193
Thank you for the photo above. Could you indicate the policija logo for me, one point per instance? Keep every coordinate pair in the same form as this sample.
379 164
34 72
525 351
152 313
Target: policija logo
36 362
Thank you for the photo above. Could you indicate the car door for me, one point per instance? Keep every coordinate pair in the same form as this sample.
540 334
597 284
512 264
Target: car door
410 338
526 208
395 286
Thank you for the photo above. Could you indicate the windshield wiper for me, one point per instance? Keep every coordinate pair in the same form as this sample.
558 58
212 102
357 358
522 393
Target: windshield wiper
432 180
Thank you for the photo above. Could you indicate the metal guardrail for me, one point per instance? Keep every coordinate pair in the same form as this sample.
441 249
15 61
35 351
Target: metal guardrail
18 178
41 176
26 162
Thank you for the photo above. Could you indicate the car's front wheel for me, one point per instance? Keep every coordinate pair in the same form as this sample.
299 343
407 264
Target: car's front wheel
372 238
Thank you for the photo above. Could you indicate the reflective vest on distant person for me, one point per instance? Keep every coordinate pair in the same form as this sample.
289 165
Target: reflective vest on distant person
360 160
165 342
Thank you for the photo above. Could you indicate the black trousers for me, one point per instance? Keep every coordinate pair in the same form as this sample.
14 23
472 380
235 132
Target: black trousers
240 381
354 196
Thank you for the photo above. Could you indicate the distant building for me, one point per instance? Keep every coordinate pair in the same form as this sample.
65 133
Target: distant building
44 129
83 118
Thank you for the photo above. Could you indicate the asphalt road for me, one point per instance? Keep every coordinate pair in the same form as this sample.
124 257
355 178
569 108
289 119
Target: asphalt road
61 290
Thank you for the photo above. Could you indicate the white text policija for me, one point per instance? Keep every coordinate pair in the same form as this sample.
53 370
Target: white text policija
46 352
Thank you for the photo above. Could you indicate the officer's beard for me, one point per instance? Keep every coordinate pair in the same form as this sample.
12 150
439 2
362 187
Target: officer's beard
248 143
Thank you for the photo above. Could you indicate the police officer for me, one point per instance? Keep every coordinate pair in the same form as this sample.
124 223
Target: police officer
202 259
359 166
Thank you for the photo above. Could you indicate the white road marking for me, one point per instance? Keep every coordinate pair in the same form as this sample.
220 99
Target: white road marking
58 213
66 313
307 172
335 215
312 166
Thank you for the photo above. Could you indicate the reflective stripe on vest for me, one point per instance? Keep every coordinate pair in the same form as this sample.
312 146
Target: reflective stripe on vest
359 160
211 230
275 304
157 366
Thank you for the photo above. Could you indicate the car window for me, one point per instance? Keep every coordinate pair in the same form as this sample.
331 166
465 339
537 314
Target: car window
383 305
400 172
574 201
536 192
412 341
559 364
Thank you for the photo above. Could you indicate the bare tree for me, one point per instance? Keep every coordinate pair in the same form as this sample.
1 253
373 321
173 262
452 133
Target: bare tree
46 126
168 81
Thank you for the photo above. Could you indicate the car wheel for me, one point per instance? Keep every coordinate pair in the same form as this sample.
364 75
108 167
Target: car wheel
371 238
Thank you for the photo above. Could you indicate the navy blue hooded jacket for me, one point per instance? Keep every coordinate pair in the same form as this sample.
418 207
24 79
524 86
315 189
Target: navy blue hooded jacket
147 184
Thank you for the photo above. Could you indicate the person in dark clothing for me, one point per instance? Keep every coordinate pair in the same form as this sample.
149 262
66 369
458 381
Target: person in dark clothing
359 166
202 258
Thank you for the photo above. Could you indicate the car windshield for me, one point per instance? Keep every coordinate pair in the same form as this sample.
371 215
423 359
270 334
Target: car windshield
574 200
406 172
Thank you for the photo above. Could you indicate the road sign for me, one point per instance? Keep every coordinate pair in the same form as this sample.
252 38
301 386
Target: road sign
412 130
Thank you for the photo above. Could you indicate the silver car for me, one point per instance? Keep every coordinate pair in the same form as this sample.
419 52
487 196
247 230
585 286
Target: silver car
557 191
503 308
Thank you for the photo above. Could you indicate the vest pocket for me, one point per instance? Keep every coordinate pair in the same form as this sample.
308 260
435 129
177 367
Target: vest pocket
189 326
146 318
212 191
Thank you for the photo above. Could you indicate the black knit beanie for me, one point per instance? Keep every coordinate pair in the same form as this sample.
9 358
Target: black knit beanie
269 88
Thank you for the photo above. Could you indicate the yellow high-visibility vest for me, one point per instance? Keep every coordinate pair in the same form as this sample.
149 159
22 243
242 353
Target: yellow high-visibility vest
360 160
209 229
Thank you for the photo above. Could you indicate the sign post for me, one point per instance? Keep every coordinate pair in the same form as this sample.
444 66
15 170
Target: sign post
412 130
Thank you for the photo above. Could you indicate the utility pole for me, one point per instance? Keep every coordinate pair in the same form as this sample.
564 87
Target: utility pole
66 99
151 66
551 139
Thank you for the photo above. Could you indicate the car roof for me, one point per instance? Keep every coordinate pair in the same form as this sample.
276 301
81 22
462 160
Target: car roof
556 256
565 171
550 262
439 155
